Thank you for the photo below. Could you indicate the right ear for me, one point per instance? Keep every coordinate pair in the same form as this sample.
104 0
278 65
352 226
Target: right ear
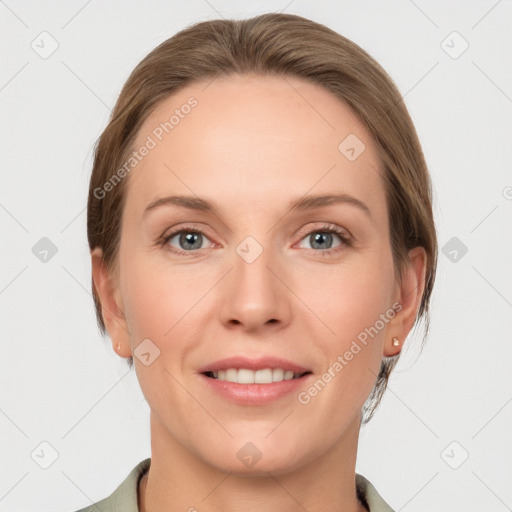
107 289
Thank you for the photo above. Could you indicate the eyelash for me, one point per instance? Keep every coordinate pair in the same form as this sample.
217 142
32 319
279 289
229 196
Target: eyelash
327 228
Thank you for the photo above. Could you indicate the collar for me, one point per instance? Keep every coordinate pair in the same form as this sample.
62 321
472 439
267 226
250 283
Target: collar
125 497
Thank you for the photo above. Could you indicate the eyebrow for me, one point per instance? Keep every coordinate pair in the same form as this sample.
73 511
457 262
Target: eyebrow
304 203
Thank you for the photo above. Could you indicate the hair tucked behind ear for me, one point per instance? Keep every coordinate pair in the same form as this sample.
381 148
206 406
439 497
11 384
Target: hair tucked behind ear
288 45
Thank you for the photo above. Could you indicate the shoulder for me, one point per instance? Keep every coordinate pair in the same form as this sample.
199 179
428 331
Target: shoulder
125 496
367 493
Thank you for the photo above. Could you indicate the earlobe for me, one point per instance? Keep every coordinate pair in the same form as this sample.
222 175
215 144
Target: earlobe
392 346
410 292
108 292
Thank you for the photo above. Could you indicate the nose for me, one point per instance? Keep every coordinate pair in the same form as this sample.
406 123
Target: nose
255 296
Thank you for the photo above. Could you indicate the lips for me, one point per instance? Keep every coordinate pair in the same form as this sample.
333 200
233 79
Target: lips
258 392
263 363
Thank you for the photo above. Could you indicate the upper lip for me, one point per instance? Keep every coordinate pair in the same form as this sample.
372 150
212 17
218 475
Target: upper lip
253 364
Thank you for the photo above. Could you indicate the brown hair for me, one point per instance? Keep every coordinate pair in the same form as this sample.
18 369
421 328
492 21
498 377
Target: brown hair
286 45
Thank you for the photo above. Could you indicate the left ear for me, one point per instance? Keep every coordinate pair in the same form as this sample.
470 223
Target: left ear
410 292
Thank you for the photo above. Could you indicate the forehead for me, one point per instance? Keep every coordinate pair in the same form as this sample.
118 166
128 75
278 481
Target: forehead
254 141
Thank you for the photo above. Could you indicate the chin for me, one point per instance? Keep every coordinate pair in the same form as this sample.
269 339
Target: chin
258 458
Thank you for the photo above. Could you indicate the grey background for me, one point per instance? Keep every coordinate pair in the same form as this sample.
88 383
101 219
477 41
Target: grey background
61 384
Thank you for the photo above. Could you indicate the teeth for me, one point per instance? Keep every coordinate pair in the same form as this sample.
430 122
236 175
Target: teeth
245 376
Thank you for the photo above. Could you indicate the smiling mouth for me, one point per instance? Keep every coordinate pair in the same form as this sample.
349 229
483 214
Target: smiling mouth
246 376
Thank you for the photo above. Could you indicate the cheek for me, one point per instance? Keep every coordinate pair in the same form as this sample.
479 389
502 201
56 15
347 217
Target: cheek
151 297
164 304
350 297
352 305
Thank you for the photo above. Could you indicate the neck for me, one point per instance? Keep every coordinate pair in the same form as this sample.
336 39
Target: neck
179 480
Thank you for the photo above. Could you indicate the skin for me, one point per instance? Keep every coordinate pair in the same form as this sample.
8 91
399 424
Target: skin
251 145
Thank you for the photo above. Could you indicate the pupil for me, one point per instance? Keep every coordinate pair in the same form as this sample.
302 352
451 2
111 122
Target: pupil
319 237
189 239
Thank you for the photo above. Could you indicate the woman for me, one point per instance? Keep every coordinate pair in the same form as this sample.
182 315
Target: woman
262 243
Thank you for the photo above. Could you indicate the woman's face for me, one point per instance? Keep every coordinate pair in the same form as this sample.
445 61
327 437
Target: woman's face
251 277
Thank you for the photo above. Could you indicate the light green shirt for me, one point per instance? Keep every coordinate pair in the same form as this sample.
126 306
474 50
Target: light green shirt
125 498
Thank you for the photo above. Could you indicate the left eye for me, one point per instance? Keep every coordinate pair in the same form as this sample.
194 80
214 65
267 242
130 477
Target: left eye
318 238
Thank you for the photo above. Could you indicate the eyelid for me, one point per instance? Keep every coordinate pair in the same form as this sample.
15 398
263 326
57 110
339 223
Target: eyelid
183 227
347 240
327 226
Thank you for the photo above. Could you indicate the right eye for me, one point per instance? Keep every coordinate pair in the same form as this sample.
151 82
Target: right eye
189 240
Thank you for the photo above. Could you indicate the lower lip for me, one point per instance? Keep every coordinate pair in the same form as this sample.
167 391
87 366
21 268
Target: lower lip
255 394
